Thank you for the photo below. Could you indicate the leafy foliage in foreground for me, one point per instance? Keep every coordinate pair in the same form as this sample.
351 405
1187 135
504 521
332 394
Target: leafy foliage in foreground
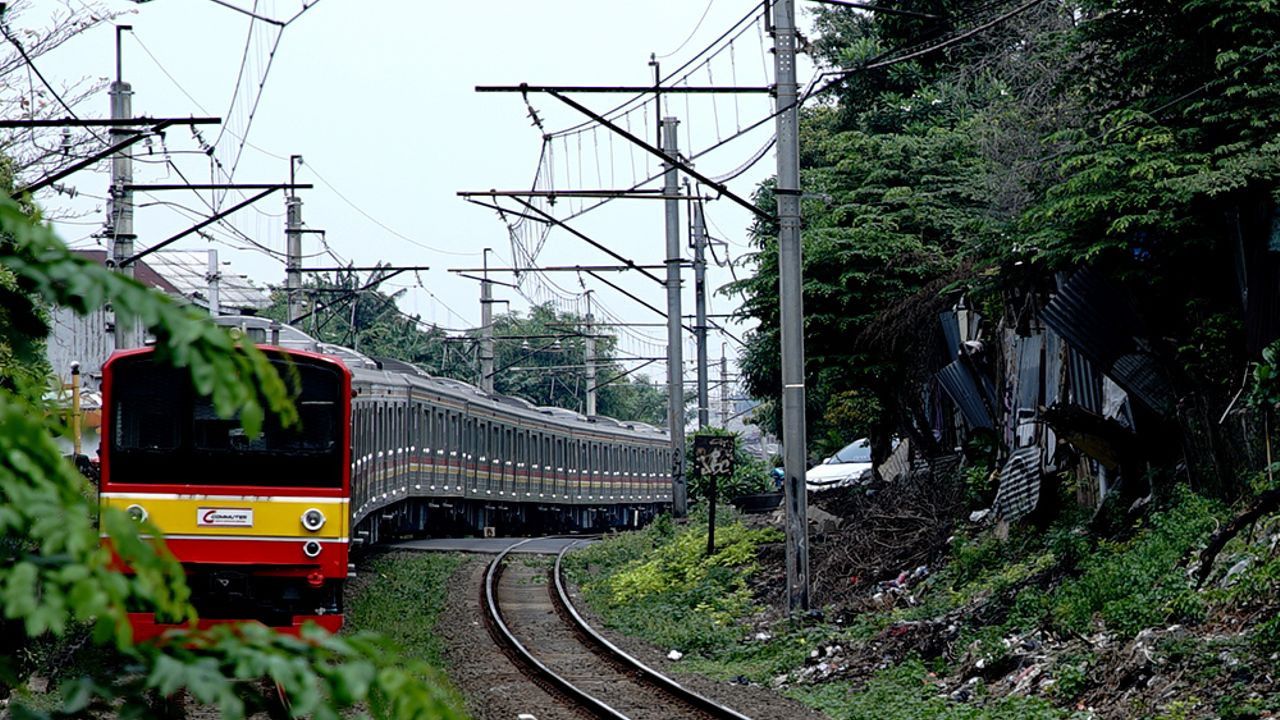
54 571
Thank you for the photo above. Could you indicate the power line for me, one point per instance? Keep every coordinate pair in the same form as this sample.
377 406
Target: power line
692 32
381 224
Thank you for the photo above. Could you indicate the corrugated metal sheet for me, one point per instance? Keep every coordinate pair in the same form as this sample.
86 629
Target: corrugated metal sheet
975 397
1084 385
1019 484
898 464
1096 318
83 339
950 333
1055 388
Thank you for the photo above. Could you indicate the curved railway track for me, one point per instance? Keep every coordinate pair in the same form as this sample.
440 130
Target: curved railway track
531 616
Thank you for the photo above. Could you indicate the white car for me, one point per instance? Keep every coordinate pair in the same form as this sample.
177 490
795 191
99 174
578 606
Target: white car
850 466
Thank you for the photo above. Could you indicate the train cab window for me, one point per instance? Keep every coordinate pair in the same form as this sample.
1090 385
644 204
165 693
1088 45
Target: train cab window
148 407
164 432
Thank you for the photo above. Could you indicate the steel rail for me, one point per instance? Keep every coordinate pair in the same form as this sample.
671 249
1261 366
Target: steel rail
652 676
588 702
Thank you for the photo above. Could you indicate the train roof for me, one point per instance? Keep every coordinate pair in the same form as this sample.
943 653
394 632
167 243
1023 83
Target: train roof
392 372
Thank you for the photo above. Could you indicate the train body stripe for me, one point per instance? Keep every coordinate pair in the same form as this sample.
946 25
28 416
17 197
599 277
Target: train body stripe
254 538
210 497
241 517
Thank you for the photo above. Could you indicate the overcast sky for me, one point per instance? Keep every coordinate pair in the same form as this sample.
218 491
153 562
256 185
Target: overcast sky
378 98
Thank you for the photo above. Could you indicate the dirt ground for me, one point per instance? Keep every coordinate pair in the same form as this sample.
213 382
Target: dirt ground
495 689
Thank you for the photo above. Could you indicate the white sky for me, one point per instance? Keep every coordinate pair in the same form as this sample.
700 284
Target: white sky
378 99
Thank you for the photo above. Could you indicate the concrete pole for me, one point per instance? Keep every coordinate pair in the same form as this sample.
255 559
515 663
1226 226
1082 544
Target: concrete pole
724 389
791 314
590 343
486 328
675 351
120 201
293 247
700 312
213 276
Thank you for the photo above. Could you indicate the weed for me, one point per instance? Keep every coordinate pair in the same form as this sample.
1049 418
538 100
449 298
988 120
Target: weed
401 595
667 590
1137 583
905 692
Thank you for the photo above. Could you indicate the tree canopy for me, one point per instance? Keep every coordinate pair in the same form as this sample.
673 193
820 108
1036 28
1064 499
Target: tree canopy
1137 136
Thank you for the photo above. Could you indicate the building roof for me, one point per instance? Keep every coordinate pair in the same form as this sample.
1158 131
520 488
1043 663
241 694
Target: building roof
142 271
188 271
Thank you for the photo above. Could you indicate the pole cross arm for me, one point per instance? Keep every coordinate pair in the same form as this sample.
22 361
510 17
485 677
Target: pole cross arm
137 135
630 89
674 162
200 225
350 294
622 375
581 236
107 122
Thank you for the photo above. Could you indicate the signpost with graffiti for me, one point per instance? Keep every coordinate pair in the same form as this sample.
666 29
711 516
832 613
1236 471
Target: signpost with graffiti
713 461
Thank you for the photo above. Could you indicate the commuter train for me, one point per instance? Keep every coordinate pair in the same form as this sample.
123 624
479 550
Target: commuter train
264 525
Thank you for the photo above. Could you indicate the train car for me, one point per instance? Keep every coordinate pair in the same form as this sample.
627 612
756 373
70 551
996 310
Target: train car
264 525
439 455
261 524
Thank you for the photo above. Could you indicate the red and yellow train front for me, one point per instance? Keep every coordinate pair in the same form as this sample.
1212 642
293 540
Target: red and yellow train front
259 522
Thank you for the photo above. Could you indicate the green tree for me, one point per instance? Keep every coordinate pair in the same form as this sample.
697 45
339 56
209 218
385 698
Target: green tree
1136 136
56 575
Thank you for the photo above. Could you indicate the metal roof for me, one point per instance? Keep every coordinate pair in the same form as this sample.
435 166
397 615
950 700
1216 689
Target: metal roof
188 271
1096 318
974 396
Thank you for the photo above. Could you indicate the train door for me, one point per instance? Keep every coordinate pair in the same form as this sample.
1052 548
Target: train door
508 458
545 455
520 468
439 456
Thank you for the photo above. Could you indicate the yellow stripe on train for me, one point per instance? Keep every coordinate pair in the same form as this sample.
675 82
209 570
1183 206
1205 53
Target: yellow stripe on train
238 516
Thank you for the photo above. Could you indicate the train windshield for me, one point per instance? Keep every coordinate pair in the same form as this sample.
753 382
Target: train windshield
163 432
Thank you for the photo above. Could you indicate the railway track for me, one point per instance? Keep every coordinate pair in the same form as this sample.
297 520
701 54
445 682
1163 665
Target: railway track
531 616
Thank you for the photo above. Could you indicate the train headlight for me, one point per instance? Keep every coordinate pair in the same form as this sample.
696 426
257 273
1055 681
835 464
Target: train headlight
313 520
311 548
136 513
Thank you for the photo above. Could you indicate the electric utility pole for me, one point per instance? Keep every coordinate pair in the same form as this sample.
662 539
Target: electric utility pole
120 201
675 350
486 328
293 246
724 389
590 342
791 314
700 311
214 278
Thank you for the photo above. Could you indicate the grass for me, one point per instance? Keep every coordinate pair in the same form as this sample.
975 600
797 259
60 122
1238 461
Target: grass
401 596
660 585
657 584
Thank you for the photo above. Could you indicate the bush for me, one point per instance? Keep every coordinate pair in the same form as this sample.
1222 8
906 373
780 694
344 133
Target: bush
1138 584
664 588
